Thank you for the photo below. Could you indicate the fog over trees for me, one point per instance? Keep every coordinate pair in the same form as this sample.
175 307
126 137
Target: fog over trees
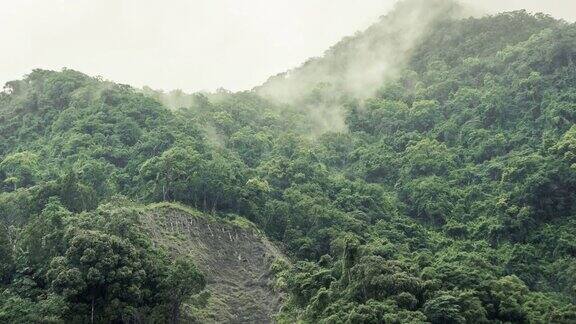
422 170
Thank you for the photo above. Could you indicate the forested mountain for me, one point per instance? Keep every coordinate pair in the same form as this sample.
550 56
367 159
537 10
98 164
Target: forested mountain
440 188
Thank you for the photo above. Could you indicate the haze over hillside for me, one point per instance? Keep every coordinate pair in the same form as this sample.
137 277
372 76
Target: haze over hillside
192 45
422 170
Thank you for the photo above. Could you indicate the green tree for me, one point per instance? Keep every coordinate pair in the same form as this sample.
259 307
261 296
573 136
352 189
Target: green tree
75 195
6 255
19 169
100 275
444 308
426 158
172 175
182 282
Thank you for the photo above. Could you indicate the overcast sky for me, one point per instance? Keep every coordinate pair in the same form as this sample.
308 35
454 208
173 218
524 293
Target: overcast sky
190 44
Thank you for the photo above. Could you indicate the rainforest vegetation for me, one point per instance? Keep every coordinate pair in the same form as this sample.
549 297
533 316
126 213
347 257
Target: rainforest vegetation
447 195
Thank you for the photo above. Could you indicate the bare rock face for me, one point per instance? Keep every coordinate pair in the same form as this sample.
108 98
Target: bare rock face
234 257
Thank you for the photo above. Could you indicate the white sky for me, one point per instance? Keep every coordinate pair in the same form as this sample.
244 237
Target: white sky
190 44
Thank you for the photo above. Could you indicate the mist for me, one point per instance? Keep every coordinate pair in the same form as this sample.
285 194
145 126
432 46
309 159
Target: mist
191 45
358 66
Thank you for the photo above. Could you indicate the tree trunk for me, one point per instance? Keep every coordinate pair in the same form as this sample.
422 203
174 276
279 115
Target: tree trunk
92 314
214 205
175 312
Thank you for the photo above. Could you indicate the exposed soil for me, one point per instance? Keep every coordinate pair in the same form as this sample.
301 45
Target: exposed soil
235 260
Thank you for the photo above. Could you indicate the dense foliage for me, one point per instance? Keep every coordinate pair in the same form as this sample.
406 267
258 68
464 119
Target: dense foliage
449 199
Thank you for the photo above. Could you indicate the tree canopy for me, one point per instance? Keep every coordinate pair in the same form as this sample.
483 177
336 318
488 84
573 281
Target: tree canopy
449 197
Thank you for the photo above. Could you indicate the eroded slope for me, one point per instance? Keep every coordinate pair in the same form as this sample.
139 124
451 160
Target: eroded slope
234 256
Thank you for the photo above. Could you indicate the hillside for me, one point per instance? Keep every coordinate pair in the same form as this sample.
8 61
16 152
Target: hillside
441 188
235 257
